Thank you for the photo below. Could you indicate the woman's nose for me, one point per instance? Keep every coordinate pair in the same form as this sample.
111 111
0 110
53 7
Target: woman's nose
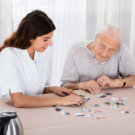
49 42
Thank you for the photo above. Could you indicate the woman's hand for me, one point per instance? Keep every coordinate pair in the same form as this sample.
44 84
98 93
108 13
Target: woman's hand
71 100
62 91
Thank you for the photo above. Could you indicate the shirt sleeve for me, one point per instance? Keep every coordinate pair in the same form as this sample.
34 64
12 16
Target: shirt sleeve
70 73
126 63
9 73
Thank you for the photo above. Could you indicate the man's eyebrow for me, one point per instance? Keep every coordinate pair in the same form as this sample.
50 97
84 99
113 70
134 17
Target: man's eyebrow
102 44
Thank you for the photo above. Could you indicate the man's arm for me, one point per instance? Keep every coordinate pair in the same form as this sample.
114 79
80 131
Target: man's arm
116 83
73 86
126 68
91 86
70 74
129 81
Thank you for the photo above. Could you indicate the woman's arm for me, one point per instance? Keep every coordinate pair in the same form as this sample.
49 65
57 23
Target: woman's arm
20 100
58 90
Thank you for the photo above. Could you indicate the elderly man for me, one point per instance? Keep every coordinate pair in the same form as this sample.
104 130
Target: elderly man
104 62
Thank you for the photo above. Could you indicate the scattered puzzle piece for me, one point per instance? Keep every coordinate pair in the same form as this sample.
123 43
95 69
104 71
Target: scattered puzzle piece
96 105
101 95
107 103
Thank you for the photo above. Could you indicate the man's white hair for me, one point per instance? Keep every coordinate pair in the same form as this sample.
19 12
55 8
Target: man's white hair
113 30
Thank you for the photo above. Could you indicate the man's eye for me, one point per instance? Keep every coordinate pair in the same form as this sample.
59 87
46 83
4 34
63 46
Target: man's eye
111 50
45 40
102 46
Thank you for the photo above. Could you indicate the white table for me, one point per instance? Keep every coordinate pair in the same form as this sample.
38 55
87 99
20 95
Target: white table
46 121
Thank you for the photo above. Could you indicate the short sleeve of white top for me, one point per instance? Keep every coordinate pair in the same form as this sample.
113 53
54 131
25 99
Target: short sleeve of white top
19 73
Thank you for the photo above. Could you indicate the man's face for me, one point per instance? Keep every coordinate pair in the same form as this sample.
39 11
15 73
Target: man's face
105 47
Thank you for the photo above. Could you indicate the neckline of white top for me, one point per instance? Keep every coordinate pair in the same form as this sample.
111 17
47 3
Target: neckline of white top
26 54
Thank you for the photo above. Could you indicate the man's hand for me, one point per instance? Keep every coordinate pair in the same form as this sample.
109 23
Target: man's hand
105 81
91 86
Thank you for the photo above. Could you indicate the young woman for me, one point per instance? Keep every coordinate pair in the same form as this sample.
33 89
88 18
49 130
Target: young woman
22 66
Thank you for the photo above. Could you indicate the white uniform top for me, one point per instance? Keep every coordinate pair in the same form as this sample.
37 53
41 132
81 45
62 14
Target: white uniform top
19 73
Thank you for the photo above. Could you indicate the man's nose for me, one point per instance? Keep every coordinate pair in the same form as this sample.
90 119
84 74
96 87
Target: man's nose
104 53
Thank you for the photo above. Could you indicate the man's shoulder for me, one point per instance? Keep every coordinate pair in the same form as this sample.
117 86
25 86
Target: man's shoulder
123 53
123 50
78 48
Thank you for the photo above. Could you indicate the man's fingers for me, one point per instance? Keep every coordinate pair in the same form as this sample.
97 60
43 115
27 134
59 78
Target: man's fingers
71 91
96 88
100 81
104 84
91 91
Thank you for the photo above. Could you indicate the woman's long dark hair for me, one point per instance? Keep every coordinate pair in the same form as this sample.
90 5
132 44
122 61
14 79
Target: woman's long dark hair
34 24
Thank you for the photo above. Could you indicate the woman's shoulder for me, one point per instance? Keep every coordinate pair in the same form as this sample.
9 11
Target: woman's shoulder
7 50
9 53
11 50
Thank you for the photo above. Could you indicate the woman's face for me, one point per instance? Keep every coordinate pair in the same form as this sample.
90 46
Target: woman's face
41 43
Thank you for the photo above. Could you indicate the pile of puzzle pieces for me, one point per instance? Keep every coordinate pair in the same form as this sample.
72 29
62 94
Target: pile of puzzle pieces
85 112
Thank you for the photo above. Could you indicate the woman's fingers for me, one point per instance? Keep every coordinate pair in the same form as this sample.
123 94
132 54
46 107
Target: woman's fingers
74 99
78 102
